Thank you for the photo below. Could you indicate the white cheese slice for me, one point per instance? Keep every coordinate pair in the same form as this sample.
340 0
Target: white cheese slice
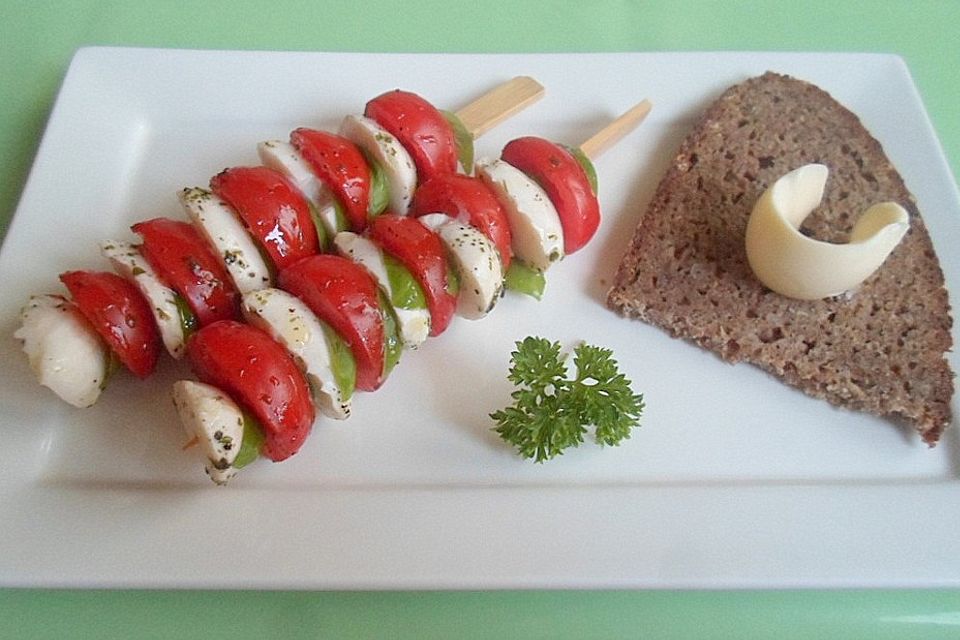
476 260
292 324
284 157
221 227
64 350
215 424
379 144
537 237
129 263
801 267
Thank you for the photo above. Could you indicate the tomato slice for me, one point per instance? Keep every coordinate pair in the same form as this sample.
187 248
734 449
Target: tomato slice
345 296
468 200
259 374
120 314
421 251
563 178
183 260
273 211
420 128
340 165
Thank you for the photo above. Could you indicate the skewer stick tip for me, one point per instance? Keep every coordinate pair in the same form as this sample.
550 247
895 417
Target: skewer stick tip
498 104
611 134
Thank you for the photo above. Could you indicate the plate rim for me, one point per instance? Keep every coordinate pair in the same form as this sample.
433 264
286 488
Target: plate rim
441 576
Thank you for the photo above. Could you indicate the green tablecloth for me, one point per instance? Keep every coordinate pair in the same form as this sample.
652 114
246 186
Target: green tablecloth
37 40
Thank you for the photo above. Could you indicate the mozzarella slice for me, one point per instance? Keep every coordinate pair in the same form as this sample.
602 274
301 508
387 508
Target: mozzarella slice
64 350
476 260
284 157
218 223
128 262
214 422
379 144
534 223
414 324
292 324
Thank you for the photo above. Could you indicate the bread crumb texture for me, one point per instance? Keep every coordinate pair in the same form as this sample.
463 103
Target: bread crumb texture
878 349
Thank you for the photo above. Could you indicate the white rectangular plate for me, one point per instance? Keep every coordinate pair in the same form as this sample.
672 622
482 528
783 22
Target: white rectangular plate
734 480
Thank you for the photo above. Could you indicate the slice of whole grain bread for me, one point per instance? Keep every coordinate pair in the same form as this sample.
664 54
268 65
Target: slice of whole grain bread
879 348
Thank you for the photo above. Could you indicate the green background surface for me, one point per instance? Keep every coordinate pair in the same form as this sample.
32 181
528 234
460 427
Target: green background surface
37 40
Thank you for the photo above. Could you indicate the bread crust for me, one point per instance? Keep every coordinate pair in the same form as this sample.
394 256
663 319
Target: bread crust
879 349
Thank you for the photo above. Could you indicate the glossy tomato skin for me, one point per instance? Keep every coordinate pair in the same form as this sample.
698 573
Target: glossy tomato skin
422 252
259 374
345 296
273 211
420 128
561 176
185 262
340 165
120 314
468 200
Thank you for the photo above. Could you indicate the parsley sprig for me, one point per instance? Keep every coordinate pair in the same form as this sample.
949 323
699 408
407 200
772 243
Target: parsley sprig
551 412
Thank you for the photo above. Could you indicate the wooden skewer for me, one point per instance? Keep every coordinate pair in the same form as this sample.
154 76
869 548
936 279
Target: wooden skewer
616 130
497 105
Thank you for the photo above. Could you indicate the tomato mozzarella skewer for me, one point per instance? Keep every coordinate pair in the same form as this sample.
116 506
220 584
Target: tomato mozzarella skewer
180 279
547 191
401 138
474 257
567 173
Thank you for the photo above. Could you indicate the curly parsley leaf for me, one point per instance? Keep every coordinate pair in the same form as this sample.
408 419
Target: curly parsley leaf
551 412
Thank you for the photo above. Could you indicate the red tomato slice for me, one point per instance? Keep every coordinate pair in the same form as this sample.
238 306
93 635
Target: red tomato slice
344 295
468 200
120 315
341 166
420 128
421 251
274 211
183 260
259 374
564 180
